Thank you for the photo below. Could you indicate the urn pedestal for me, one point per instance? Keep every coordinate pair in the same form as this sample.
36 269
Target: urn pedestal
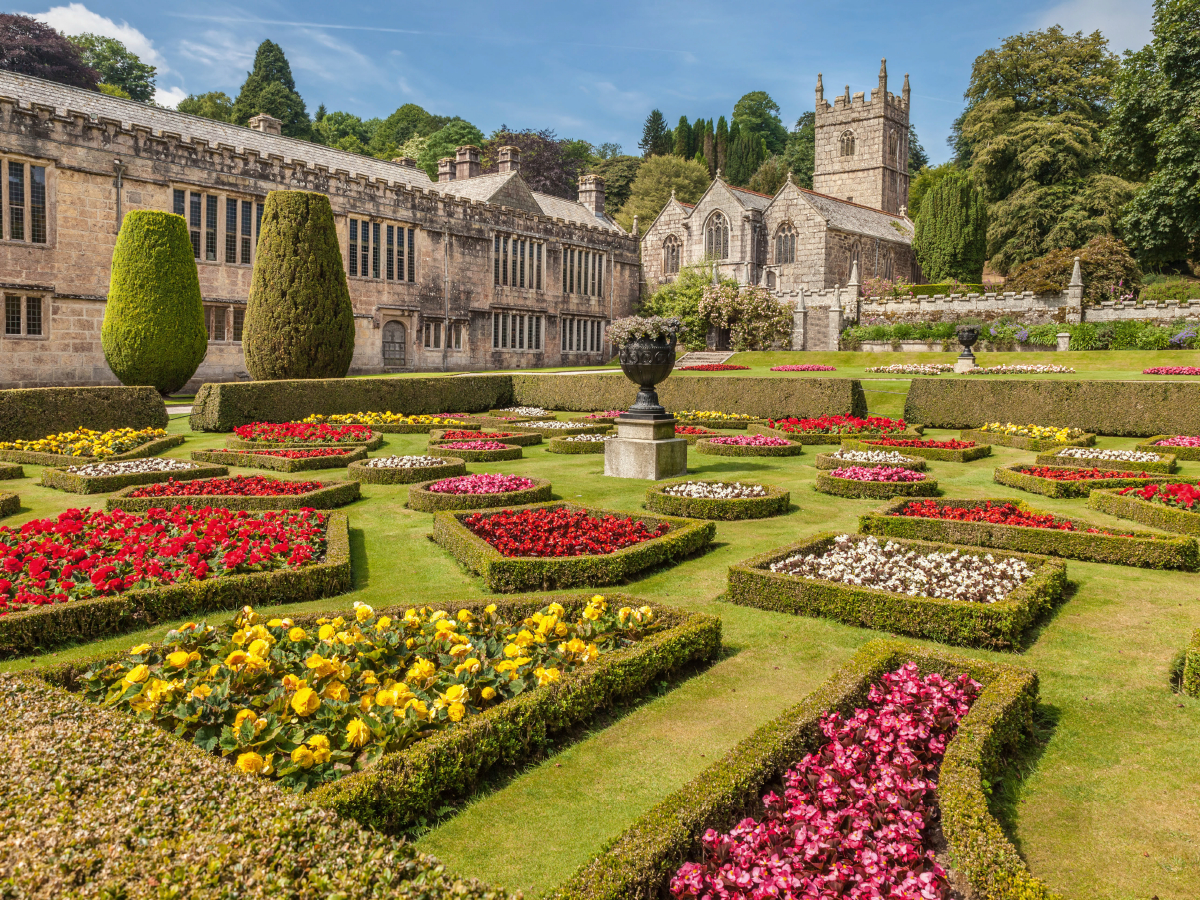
645 446
967 336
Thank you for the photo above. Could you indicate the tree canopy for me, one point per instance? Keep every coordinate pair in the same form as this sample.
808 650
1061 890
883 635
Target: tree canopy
757 114
269 88
770 176
548 164
652 187
445 142
656 137
212 105
29 47
618 173
950 242
116 65
801 153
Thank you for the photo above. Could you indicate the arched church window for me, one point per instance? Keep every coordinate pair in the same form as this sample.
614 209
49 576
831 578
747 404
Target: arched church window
671 249
846 144
785 244
716 237
394 344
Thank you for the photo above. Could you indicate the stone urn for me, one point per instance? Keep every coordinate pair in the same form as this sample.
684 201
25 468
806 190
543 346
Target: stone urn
967 336
647 362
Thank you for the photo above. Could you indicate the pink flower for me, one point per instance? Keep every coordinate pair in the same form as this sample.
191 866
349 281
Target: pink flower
877 473
750 440
480 484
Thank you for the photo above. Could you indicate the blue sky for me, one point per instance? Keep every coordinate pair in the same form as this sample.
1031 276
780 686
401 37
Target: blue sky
589 72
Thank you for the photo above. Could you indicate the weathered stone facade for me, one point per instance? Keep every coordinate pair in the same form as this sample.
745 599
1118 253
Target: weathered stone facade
467 274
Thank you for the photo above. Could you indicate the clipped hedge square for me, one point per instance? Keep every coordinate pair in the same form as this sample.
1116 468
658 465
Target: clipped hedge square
506 574
1156 515
425 500
520 438
1023 443
1165 465
510 451
706 447
1008 475
151 448
330 495
827 461
1150 445
11 471
539 427
828 483
102 484
233 442
562 445
247 459
450 467
824 437
999 625
776 502
939 454
10 504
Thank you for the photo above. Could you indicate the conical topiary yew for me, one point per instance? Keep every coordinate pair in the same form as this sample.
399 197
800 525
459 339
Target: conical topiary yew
299 322
153 331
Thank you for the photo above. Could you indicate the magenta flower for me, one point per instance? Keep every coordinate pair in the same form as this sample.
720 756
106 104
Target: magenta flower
480 484
877 473
472 445
750 440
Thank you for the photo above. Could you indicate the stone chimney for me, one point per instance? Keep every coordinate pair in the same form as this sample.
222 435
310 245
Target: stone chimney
510 159
407 161
445 169
266 124
591 193
466 164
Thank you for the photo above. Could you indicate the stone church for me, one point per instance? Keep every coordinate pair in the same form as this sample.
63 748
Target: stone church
804 245
472 271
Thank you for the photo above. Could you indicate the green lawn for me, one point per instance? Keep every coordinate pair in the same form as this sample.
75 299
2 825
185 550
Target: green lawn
1110 808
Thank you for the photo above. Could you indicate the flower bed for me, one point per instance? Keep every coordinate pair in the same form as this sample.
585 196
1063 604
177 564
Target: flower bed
301 435
1070 481
71 447
640 861
710 418
604 416
11 471
960 575
849 784
247 492
280 460
555 428
838 425
1009 525
1021 370
912 369
1028 437
748 445
505 574
471 496
559 532
102 477
713 367
844 456
578 443
1181 446
392 423
944 451
1090 457
478 451
1168 505
722 500
532 412
132 571
691 433
10 504
519 438
807 368
405 469
863 482
1172 370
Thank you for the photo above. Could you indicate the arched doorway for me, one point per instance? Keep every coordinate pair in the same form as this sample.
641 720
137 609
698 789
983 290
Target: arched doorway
395 345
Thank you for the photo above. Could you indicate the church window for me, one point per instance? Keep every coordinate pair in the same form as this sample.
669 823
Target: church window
846 144
716 237
785 244
671 255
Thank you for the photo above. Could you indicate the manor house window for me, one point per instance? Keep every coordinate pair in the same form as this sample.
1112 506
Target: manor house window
223 229
671 255
224 323
381 251
583 272
23 316
436 329
517 262
24 200
581 335
785 244
716 237
516 331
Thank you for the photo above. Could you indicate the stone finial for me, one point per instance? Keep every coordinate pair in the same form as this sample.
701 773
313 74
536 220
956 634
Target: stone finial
1076 275
466 162
266 124
883 77
635 226
790 177
905 92
904 211
853 273
718 173
847 98
820 89
672 193
445 169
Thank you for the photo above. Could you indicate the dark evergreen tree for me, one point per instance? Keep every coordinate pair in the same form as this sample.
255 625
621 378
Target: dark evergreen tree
269 88
917 157
682 139
29 47
801 152
721 141
299 321
656 137
709 148
951 231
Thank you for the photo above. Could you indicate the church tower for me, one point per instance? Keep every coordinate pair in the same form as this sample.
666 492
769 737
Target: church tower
862 146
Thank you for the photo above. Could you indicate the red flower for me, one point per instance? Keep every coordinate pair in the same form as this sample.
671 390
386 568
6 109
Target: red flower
1180 496
993 513
559 532
1076 474
712 367
233 486
303 433
838 424
952 444
317 453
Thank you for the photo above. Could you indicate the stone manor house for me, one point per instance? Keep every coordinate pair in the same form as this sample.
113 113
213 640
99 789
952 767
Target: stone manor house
471 272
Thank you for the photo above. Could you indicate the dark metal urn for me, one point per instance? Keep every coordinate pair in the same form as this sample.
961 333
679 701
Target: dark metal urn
967 336
646 363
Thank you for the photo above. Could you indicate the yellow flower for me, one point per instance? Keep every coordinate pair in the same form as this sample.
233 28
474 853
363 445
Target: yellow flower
178 659
524 638
490 609
259 648
357 733
137 674
139 650
303 757
292 683
575 645
327 632
383 624
592 613
250 763
236 658
385 698
297 634
488 693
369 678
362 612
556 610
275 623
512 650
339 622
336 691
420 670
455 693
467 665
241 717
419 707
546 676
456 712
306 702
201 691
320 748
464 616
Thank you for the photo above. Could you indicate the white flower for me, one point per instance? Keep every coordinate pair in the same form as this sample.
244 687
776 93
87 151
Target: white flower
586 438
1116 455
871 456
404 462
132 466
715 490
525 410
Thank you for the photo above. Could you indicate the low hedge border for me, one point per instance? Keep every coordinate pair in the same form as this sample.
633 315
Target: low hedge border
1010 477
562 445
233 442
32 413
102 484
814 438
727 424
1156 515
828 461
1190 682
152 448
1023 443
776 503
938 454
505 574
422 499
517 417
331 494
556 432
11 471
1146 550
692 438
510 451
706 447
996 626
249 460
641 861
827 483
10 504
360 471
43 627
1165 465
414 427
1188 453
407 786
520 438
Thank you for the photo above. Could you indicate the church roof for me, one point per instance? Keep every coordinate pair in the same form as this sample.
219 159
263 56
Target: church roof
750 199
846 216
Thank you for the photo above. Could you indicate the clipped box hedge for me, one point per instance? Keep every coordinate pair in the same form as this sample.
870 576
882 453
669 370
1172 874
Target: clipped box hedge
539 428
1134 408
816 438
11 471
425 500
416 427
331 494
727 424
1165 465
236 443
360 471
32 413
827 461
102 484
706 447
562 445
520 438
223 407
939 454
510 451
759 397
1000 625
692 438
1188 453
43 627
151 448
775 503
10 504
410 785
250 460
828 483
1144 549
1021 442
1009 476
641 861
506 574
1190 682
1156 515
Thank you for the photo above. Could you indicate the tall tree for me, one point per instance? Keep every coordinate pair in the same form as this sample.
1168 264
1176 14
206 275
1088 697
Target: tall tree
747 154
608 150
656 137
405 123
770 176
917 157
116 65
758 114
29 47
445 142
342 130
682 139
269 88
721 140
925 181
951 231
801 153
213 105
1154 134
618 173
548 164
710 148
652 187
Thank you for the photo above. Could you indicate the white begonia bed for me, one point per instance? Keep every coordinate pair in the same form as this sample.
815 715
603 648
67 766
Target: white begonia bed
131 467
870 456
716 490
404 462
1135 456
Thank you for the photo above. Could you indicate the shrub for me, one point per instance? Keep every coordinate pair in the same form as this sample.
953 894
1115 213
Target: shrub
563 445
32 413
681 299
10 504
1170 290
950 237
1165 463
450 467
11 471
425 500
1190 680
942 454
154 331
1053 487
299 321
1109 272
34 458
827 483
258 459
755 319
1023 442
1151 445
1147 512
706 447
237 443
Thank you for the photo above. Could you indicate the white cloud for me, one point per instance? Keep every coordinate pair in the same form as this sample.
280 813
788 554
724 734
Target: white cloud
75 18
1126 23
169 97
